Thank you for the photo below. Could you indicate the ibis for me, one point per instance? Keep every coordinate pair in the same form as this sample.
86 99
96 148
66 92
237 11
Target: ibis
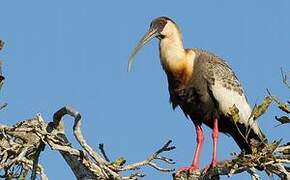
204 86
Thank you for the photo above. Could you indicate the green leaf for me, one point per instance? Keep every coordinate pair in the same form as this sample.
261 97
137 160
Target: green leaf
284 107
1 45
286 151
282 120
262 108
234 113
272 146
119 162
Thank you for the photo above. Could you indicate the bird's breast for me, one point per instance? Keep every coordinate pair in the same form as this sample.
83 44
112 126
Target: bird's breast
181 70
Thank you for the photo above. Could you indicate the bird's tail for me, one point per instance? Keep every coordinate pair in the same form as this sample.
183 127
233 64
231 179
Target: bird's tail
249 137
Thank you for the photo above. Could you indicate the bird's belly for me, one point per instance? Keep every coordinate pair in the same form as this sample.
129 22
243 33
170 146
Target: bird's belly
199 108
197 112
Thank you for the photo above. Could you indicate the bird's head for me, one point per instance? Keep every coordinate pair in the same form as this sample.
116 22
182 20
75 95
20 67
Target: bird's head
161 27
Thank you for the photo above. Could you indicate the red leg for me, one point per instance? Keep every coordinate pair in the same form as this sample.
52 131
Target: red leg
215 135
199 139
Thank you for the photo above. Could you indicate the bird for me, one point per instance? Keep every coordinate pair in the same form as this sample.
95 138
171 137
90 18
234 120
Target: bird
205 87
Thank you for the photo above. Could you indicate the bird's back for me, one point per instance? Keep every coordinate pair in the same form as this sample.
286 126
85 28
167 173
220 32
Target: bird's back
213 90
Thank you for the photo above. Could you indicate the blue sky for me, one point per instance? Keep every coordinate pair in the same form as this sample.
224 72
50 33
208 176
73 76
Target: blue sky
75 53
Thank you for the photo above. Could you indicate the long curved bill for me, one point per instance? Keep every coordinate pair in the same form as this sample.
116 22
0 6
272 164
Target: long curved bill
146 38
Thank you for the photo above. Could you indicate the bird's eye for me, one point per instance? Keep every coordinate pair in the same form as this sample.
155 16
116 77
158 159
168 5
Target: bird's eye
161 36
158 24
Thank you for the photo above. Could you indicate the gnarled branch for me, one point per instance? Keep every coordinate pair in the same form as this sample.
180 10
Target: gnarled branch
21 146
272 159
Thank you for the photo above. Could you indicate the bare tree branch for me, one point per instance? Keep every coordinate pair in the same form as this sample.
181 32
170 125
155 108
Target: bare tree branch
22 144
153 157
272 159
36 159
102 149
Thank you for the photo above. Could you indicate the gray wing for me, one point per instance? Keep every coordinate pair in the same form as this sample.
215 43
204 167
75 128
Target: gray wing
217 70
224 85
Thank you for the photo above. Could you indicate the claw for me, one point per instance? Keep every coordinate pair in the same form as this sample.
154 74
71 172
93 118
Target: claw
213 164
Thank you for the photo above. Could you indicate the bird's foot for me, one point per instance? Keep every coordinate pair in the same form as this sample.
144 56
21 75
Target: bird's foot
188 168
213 164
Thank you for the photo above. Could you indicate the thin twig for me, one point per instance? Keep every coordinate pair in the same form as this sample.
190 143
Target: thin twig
284 78
79 137
36 159
282 106
253 173
101 147
3 106
154 156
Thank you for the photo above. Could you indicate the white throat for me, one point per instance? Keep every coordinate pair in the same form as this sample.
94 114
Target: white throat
171 50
